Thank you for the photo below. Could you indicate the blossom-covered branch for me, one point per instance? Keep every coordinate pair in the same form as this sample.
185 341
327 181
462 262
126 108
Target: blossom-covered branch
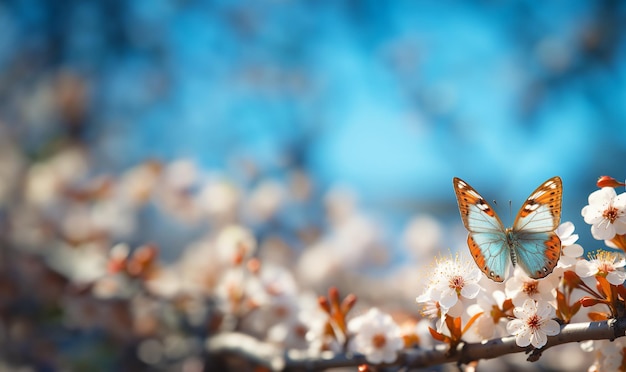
276 359
246 291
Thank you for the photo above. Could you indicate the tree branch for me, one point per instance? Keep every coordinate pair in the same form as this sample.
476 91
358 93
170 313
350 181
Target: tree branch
276 359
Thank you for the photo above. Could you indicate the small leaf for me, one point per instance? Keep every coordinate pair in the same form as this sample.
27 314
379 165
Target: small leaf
411 340
604 286
597 316
571 278
507 305
608 181
562 307
454 325
348 303
620 241
589 301
471 321
436 335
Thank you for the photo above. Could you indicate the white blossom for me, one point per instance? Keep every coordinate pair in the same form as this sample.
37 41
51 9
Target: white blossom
452 280
570 251
603 263
606 213
521 287
533 324
376 336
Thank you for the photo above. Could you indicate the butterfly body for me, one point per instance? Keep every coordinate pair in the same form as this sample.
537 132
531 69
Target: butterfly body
530 243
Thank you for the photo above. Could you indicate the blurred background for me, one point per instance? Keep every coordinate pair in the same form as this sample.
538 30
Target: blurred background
287 116
390 101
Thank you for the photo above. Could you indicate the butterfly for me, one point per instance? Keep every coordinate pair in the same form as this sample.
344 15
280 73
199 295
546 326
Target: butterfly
531 243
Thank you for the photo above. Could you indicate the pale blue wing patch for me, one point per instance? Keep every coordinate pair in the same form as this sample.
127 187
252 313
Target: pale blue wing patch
491 253
480 222
540 220
536 252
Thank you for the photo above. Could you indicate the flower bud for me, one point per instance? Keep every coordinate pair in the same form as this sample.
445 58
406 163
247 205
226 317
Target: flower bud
607 181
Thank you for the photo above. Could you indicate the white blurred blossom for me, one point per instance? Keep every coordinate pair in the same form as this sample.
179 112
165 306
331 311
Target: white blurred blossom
115 218
423 236
235 243
219 199
81 264
265 200
375 335
609 355
136 185
181 174
46 181
489 324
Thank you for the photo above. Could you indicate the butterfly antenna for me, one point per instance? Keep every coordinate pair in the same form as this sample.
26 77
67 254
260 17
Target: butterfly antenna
510 209
495 204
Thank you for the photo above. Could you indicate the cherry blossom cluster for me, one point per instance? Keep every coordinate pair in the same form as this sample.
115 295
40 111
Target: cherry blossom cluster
250 260
466 306
96 242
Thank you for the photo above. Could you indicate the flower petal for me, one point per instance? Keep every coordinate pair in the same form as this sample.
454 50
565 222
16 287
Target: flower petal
519 312
574 250
604 195
619 262
374 357
470 290
616 277
585 269
390 356
514 326
569 240
522 339
544 309
474 275
448 298
603 231
620 201
428 295
591 214
551 328
530 307
565 229
620 226
538 339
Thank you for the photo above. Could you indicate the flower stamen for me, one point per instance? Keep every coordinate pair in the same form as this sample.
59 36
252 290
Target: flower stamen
611 214
379 340
457 282
531 287
605 261
534 322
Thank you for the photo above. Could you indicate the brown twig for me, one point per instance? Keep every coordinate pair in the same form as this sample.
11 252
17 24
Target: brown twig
276 359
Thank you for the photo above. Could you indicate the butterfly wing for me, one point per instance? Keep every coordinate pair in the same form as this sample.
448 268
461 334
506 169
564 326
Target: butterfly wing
486 240
535 244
